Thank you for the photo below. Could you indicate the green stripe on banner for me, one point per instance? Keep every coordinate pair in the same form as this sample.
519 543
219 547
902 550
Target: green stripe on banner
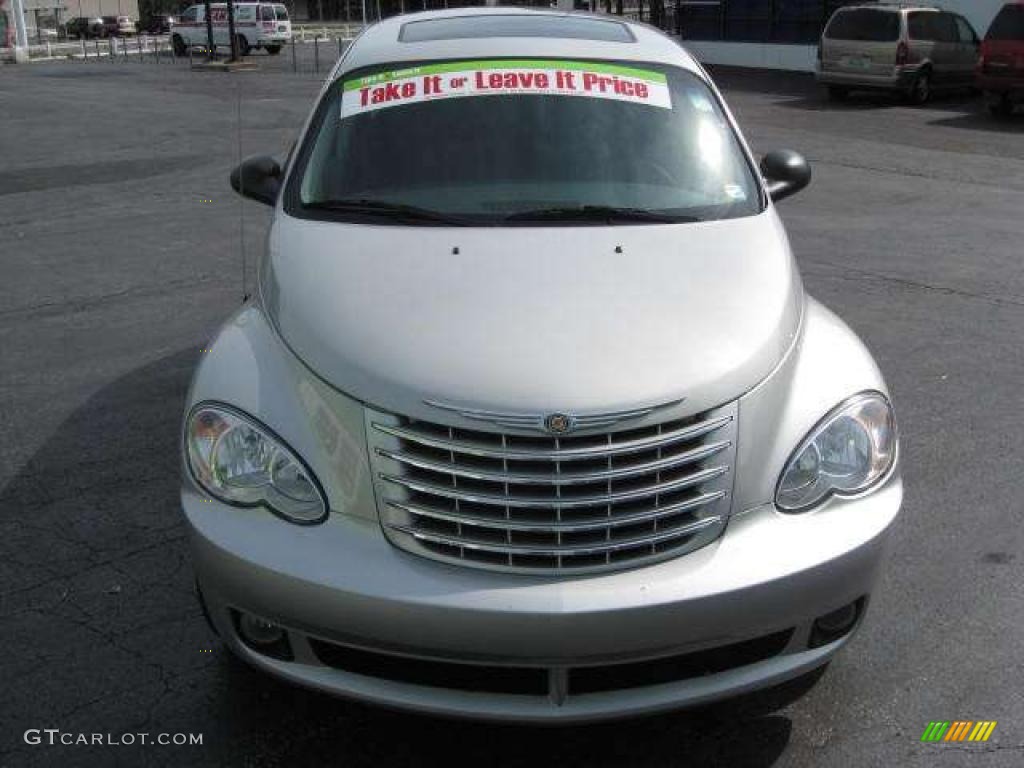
462 66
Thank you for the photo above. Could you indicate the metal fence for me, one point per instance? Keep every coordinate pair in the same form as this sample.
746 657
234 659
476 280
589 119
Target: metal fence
108 48
309 51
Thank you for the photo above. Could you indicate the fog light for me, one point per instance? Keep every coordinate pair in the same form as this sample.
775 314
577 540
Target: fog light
263 636
835 624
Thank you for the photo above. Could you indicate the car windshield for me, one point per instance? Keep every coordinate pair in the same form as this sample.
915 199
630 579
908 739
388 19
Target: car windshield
1009 24
501 142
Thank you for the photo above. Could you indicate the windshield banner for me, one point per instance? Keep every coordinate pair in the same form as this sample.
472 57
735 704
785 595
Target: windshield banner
503 77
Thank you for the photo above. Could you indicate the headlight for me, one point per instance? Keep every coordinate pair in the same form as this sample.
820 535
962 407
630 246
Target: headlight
849 451
241 462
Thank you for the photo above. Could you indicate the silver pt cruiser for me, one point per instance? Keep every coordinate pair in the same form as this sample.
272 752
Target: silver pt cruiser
531 418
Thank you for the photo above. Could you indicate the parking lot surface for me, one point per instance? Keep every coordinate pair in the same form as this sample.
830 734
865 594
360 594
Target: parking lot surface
123 250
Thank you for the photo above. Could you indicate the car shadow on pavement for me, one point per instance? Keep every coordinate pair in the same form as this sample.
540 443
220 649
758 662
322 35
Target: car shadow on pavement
102 627
980 120
764 81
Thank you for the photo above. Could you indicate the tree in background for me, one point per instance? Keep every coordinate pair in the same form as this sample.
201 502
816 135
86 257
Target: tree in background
658 13
151 8
6 26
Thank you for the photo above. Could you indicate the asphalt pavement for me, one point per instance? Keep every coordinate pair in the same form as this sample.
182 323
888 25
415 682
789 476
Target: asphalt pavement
123 248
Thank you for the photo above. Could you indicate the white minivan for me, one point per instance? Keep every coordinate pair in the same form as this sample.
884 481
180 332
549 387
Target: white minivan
257 25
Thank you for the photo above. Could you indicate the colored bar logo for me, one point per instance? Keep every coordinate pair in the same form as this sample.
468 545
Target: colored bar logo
958 730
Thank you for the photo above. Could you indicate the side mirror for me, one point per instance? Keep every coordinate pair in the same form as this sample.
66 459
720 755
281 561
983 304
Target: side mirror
786 171
258 177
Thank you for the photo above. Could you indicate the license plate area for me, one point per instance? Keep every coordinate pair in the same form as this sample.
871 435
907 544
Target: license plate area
856 62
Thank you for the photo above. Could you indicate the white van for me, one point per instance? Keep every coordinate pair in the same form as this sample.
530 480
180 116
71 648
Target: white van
257 25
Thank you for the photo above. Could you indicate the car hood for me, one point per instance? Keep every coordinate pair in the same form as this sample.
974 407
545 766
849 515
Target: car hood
535 319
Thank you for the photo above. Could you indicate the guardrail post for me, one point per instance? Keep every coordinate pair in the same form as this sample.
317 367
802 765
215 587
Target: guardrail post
84 55
339 47
316 53
97 42
295 66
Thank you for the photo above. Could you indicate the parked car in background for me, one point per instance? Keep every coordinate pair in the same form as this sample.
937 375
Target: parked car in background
1000 73
257 25
84 28
159 24
911 50
118 26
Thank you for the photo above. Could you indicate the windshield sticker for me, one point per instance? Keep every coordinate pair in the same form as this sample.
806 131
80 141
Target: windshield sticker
501 77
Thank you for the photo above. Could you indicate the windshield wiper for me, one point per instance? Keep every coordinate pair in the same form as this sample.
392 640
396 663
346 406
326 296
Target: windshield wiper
606 213
397 211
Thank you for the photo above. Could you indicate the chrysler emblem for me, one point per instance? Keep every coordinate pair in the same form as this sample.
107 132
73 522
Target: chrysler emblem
558 423
552 423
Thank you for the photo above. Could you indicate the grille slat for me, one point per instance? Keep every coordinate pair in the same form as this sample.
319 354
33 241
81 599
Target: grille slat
559 478
560 550
606 524
560 502
568 454
535 503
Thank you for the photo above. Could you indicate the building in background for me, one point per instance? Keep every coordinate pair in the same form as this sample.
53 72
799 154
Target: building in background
89 8
776 34
42 15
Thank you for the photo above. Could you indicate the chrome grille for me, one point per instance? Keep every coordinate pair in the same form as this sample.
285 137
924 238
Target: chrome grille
532 503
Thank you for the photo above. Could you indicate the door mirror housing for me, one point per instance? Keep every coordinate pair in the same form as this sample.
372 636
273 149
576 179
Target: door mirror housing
786 173
259 178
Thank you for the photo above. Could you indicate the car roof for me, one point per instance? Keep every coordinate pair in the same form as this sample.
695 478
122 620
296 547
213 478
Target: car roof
898 6
890 7
382 43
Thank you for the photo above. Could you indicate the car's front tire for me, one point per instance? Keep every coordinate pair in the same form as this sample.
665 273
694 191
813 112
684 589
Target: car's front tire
273 50
178 45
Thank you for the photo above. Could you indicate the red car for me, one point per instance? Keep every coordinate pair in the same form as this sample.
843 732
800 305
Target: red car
1000 71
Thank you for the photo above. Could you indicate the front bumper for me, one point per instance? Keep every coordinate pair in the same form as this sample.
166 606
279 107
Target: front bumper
343 583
